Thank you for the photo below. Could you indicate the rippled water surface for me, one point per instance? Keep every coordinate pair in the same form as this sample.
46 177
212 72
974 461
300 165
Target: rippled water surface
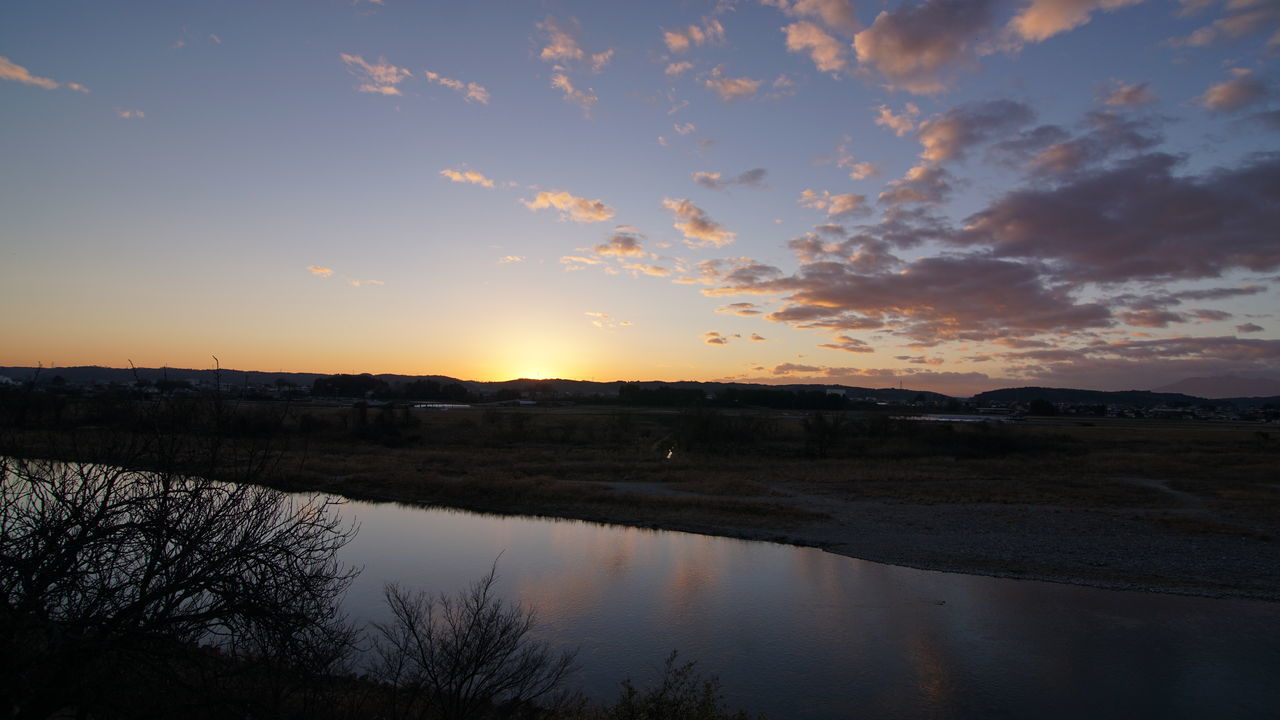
799 633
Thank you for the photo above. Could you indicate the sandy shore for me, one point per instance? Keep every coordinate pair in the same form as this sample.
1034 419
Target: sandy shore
1114 549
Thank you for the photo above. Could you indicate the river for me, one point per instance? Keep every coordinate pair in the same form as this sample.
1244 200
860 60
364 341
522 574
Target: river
799 633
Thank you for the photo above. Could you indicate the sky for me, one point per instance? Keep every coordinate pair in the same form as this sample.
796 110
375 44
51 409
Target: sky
951 195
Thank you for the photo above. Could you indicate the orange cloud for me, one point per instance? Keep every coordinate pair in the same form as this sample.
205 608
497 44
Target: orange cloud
828 54
467 176
694 223
379 78
471 91
571 207
14 72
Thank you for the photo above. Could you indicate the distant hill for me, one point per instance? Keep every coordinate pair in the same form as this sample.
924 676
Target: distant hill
89 374
1141 398
1224 386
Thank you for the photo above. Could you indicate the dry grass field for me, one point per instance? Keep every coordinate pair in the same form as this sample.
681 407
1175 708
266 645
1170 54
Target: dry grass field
1161 505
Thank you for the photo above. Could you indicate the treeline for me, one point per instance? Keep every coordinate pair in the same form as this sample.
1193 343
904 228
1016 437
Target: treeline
648 395
369 386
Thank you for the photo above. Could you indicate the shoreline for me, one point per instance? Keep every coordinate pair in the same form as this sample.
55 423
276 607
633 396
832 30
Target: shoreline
1169 564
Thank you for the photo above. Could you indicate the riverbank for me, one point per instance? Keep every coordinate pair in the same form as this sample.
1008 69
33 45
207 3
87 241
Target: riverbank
1168 507
1184 509
1117 550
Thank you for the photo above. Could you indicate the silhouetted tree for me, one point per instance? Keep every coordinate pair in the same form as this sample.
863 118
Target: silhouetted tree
458 656
104 569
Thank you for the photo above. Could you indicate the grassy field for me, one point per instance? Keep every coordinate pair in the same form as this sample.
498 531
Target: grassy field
843 480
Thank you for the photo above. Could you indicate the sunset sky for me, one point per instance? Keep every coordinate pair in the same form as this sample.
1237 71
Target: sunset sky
954 194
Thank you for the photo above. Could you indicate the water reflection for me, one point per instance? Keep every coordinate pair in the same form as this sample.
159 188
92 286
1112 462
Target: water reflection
795 632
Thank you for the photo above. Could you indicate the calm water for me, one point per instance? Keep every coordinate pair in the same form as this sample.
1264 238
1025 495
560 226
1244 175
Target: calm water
799 633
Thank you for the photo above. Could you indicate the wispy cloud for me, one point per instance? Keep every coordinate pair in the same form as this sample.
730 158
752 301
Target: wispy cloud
605 322
14 72
731 88
467 176
1128 94
507 259
584 99
560 44
1243 89
471 91
571 207
837 206
130 114
900 123
677 68
380 78
1042 19
715 181
709 31
828 53
319 271
696 225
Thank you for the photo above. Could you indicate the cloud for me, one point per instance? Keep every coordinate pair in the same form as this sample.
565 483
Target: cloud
584 99
1151 318
1140 221
791 368
743 309
757 337
916 48
560 45
1145 362
1109 137
923 184
1269 120
1042 19
562 50
14 72
857 170
676 68
734 272
130 114
471 91
578 262
571 207
696 226
709 31
604 322
1243 18
1249 328
930 300
714 338
684 128
601 60
848 344
320 271
951 135
836 206
1122 95
467 176
730 88
1242 90
828 54
622 244
900 124
506 259
714 181
379 78
835 14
